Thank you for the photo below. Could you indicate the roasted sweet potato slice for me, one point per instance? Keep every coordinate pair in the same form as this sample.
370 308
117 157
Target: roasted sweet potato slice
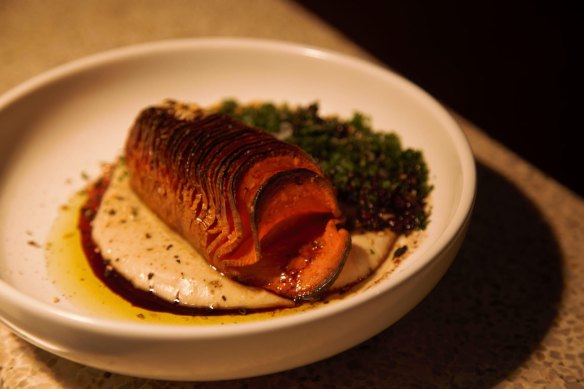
294 228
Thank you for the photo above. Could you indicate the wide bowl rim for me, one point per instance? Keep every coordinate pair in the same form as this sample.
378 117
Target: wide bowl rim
114 327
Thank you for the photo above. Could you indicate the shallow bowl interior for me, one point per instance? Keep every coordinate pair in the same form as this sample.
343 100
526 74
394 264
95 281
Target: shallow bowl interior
60 125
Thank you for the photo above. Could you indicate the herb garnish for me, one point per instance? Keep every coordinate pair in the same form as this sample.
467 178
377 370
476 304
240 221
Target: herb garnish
379 184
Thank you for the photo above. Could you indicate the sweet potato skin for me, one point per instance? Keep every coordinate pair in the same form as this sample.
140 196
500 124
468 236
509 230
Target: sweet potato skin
206 174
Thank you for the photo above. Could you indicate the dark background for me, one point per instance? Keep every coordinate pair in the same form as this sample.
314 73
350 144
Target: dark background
508 67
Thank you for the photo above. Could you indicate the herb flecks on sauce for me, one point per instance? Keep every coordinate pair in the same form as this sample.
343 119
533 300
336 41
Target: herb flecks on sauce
379 183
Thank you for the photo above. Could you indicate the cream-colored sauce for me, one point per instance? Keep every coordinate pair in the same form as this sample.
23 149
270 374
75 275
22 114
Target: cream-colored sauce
142 249
368 251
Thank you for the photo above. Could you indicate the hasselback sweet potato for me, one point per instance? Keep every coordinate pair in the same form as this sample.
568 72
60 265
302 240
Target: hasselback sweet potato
258 209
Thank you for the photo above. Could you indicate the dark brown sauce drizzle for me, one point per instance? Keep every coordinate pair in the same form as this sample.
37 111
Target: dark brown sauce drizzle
118 284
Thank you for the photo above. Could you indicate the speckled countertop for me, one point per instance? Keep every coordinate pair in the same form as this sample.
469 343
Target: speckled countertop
510 311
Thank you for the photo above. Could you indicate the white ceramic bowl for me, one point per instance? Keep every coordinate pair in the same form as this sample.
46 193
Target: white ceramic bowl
67 120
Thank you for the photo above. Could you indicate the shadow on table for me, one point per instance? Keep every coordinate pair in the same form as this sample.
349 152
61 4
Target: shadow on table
486 316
